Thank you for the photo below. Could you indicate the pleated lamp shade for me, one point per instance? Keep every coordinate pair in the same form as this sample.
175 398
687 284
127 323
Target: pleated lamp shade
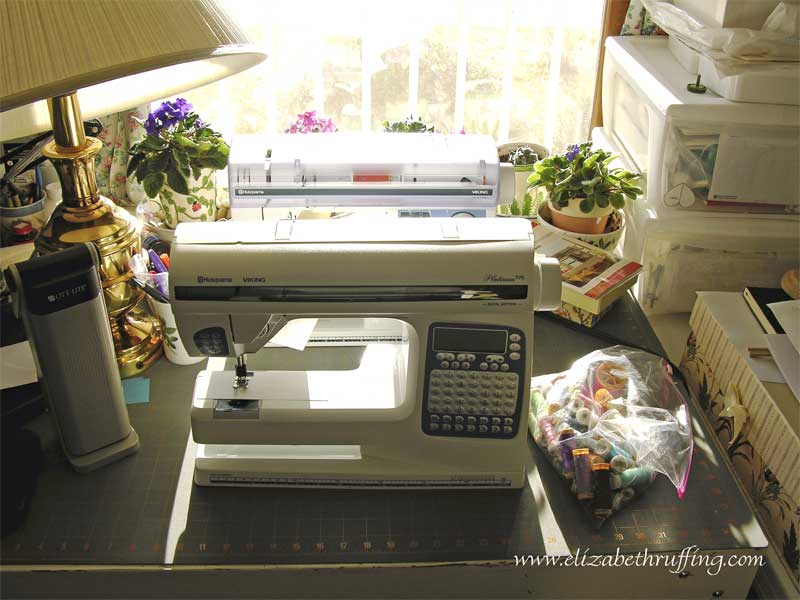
116 53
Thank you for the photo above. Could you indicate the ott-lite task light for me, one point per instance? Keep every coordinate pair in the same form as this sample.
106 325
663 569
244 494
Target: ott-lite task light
57 70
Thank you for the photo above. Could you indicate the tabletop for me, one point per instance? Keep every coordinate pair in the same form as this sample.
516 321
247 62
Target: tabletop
145 509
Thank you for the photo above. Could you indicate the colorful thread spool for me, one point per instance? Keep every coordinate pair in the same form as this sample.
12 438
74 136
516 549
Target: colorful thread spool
602 397
621 498
552 408
603 499
567 446
583 474
576 425
619 463
639 476
584 416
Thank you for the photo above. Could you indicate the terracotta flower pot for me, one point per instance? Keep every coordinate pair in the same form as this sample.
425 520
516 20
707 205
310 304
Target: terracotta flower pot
607 239
571 218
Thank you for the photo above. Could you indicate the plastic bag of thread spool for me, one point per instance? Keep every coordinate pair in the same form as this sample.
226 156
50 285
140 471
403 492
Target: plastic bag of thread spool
610 424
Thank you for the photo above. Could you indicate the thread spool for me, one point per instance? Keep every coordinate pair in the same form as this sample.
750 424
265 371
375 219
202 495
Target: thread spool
552 408
602 397
574 424
583 474
575 404
584 416
619 463
639 476
621 498
567 446
603 500
601 446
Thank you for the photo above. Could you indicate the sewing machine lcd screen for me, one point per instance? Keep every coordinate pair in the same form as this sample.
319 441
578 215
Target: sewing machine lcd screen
474 340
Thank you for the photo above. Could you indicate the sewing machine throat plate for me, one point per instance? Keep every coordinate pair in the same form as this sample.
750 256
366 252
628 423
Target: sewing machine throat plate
474 378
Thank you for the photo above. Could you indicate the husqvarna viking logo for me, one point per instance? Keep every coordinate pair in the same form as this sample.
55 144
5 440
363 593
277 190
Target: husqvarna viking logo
204 279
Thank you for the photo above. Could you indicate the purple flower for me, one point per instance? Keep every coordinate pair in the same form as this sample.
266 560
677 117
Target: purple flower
572 152
167 115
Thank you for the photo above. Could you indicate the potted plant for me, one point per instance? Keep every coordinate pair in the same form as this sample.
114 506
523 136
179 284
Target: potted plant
523 156
176 163
310 122
582 190
408 125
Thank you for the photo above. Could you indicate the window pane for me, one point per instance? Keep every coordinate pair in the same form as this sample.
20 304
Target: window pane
517 71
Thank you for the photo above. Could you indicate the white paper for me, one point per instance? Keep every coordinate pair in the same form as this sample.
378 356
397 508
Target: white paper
16 365
787 359
788 315
295 334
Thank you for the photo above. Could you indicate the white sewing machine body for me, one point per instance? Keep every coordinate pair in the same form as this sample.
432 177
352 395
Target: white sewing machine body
417 370
394 174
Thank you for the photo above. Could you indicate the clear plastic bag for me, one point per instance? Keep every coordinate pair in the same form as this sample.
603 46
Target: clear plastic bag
609 424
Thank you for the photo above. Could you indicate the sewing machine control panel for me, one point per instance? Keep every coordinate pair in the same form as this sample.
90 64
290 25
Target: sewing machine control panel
473 381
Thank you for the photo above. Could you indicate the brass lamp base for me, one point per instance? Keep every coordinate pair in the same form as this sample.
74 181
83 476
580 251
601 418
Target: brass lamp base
85 216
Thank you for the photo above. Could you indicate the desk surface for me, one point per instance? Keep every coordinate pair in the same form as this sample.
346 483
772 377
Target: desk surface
145 509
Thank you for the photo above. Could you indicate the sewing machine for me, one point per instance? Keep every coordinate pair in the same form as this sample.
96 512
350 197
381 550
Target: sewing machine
396 355
372 174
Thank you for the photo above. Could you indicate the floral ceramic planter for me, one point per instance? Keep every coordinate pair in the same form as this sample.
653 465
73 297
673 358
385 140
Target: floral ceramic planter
572 218
200 204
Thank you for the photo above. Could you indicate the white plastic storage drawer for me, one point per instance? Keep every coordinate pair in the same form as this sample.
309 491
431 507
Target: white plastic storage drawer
697 152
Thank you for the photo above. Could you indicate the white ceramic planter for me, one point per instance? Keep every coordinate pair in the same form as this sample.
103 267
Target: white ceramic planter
607 241
174 349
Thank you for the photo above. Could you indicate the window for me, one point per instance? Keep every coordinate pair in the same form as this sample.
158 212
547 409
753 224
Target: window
519 71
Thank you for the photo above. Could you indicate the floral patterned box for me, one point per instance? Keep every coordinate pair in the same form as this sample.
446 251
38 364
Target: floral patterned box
761 442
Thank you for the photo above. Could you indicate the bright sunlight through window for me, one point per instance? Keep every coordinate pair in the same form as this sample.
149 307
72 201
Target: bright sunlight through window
519 71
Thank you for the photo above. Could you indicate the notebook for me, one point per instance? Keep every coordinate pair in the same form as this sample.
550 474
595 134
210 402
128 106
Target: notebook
757 299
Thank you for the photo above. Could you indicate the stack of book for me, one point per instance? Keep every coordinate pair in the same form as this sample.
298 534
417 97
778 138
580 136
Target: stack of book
592 279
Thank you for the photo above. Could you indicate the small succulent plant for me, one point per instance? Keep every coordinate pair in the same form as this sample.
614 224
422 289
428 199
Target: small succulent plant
409 125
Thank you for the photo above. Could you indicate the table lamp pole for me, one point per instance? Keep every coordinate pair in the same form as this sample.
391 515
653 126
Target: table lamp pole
85 216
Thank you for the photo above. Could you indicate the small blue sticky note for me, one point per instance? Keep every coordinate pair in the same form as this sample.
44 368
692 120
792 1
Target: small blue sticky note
137 390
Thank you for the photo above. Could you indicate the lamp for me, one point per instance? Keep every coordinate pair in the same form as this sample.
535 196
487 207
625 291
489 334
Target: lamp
57 70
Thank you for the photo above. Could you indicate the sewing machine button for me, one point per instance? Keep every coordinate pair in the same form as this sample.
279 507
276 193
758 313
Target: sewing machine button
508 421
495 420
446 427
434 418
514 356
459 419
470 357
483 420
495 429
514 337
451 356
494 366
445 364
460 357
441 356
483 366
470 428
504 367
485 394
514 347
465 365
447 419
507 429
483 428
459 428
434 427
474 375
454 365
471 420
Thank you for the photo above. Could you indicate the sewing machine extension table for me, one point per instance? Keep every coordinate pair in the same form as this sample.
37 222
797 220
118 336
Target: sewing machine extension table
141 528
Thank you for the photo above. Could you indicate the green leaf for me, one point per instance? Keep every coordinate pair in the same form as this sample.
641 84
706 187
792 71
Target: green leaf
177 182
602 201
617 200
133 163
586 205
153 184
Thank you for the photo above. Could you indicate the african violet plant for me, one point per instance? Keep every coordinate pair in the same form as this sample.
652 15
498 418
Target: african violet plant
408 125
310 122
583 173
178 146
